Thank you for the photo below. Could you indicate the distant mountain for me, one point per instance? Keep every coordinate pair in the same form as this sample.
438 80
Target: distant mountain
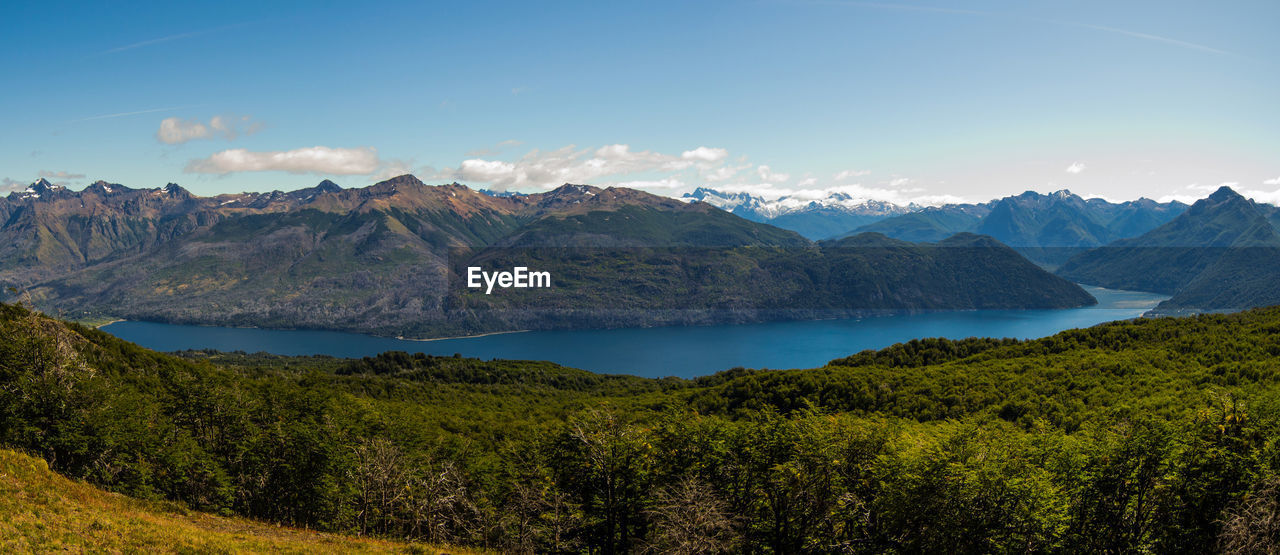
493 193
930 224
48 230
390 259
1222 253
1046 228
954 266
773 280
815 219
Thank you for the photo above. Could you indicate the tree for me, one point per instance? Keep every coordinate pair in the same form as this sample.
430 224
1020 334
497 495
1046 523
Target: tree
607 467
381 485
687 518
1253 526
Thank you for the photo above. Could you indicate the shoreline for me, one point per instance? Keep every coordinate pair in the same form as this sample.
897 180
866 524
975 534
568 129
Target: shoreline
397 337
402 338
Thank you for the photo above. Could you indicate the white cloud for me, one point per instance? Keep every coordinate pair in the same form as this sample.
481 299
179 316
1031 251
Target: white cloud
767 174
486 170
572 165
396 168
704 154
7 185
177 131
60 175
659 184
1272 181
849 174
1075 167
672 174
1193 192
723 173
1269 197
316 159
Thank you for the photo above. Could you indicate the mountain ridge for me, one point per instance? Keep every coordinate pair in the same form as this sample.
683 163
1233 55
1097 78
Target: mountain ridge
1048 228
1218 254
814 218
387 258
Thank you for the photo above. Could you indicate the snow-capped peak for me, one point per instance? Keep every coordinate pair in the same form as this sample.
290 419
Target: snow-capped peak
745 203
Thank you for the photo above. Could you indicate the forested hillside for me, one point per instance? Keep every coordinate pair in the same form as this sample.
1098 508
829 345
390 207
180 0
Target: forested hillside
1152 435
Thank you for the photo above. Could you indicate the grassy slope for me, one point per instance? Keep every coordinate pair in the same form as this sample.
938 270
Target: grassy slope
41 511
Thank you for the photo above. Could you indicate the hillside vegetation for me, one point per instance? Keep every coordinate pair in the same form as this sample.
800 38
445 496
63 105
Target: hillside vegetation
1144 436
43 512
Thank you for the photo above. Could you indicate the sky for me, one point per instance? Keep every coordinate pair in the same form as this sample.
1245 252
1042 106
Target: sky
926 102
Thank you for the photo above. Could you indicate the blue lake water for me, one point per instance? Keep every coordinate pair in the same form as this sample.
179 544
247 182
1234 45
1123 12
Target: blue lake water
670 351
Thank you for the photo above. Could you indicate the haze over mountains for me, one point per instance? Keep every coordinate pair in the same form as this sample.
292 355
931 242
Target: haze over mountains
1048 228
387 259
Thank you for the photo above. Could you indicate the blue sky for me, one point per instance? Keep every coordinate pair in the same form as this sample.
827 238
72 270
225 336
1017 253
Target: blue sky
904 101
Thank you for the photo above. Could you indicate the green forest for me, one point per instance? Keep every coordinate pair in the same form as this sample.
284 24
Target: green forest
1153 435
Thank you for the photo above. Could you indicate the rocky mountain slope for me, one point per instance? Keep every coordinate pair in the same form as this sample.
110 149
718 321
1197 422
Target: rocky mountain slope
390 259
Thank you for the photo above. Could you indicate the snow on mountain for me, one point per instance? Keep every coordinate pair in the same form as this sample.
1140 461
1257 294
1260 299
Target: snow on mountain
762 209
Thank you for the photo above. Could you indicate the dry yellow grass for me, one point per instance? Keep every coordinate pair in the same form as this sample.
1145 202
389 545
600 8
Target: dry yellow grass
42 511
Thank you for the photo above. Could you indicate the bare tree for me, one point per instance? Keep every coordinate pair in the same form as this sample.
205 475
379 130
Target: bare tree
381 485
688 518
1253 526
438 507
539 517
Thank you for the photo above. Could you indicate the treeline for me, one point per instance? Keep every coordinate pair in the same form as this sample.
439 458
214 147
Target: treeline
1144 436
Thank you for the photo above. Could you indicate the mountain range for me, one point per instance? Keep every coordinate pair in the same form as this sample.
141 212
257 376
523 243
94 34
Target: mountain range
389 259
1047 228
815 219
1221 253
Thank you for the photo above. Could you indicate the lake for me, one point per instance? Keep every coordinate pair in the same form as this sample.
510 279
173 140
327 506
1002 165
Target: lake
671 351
